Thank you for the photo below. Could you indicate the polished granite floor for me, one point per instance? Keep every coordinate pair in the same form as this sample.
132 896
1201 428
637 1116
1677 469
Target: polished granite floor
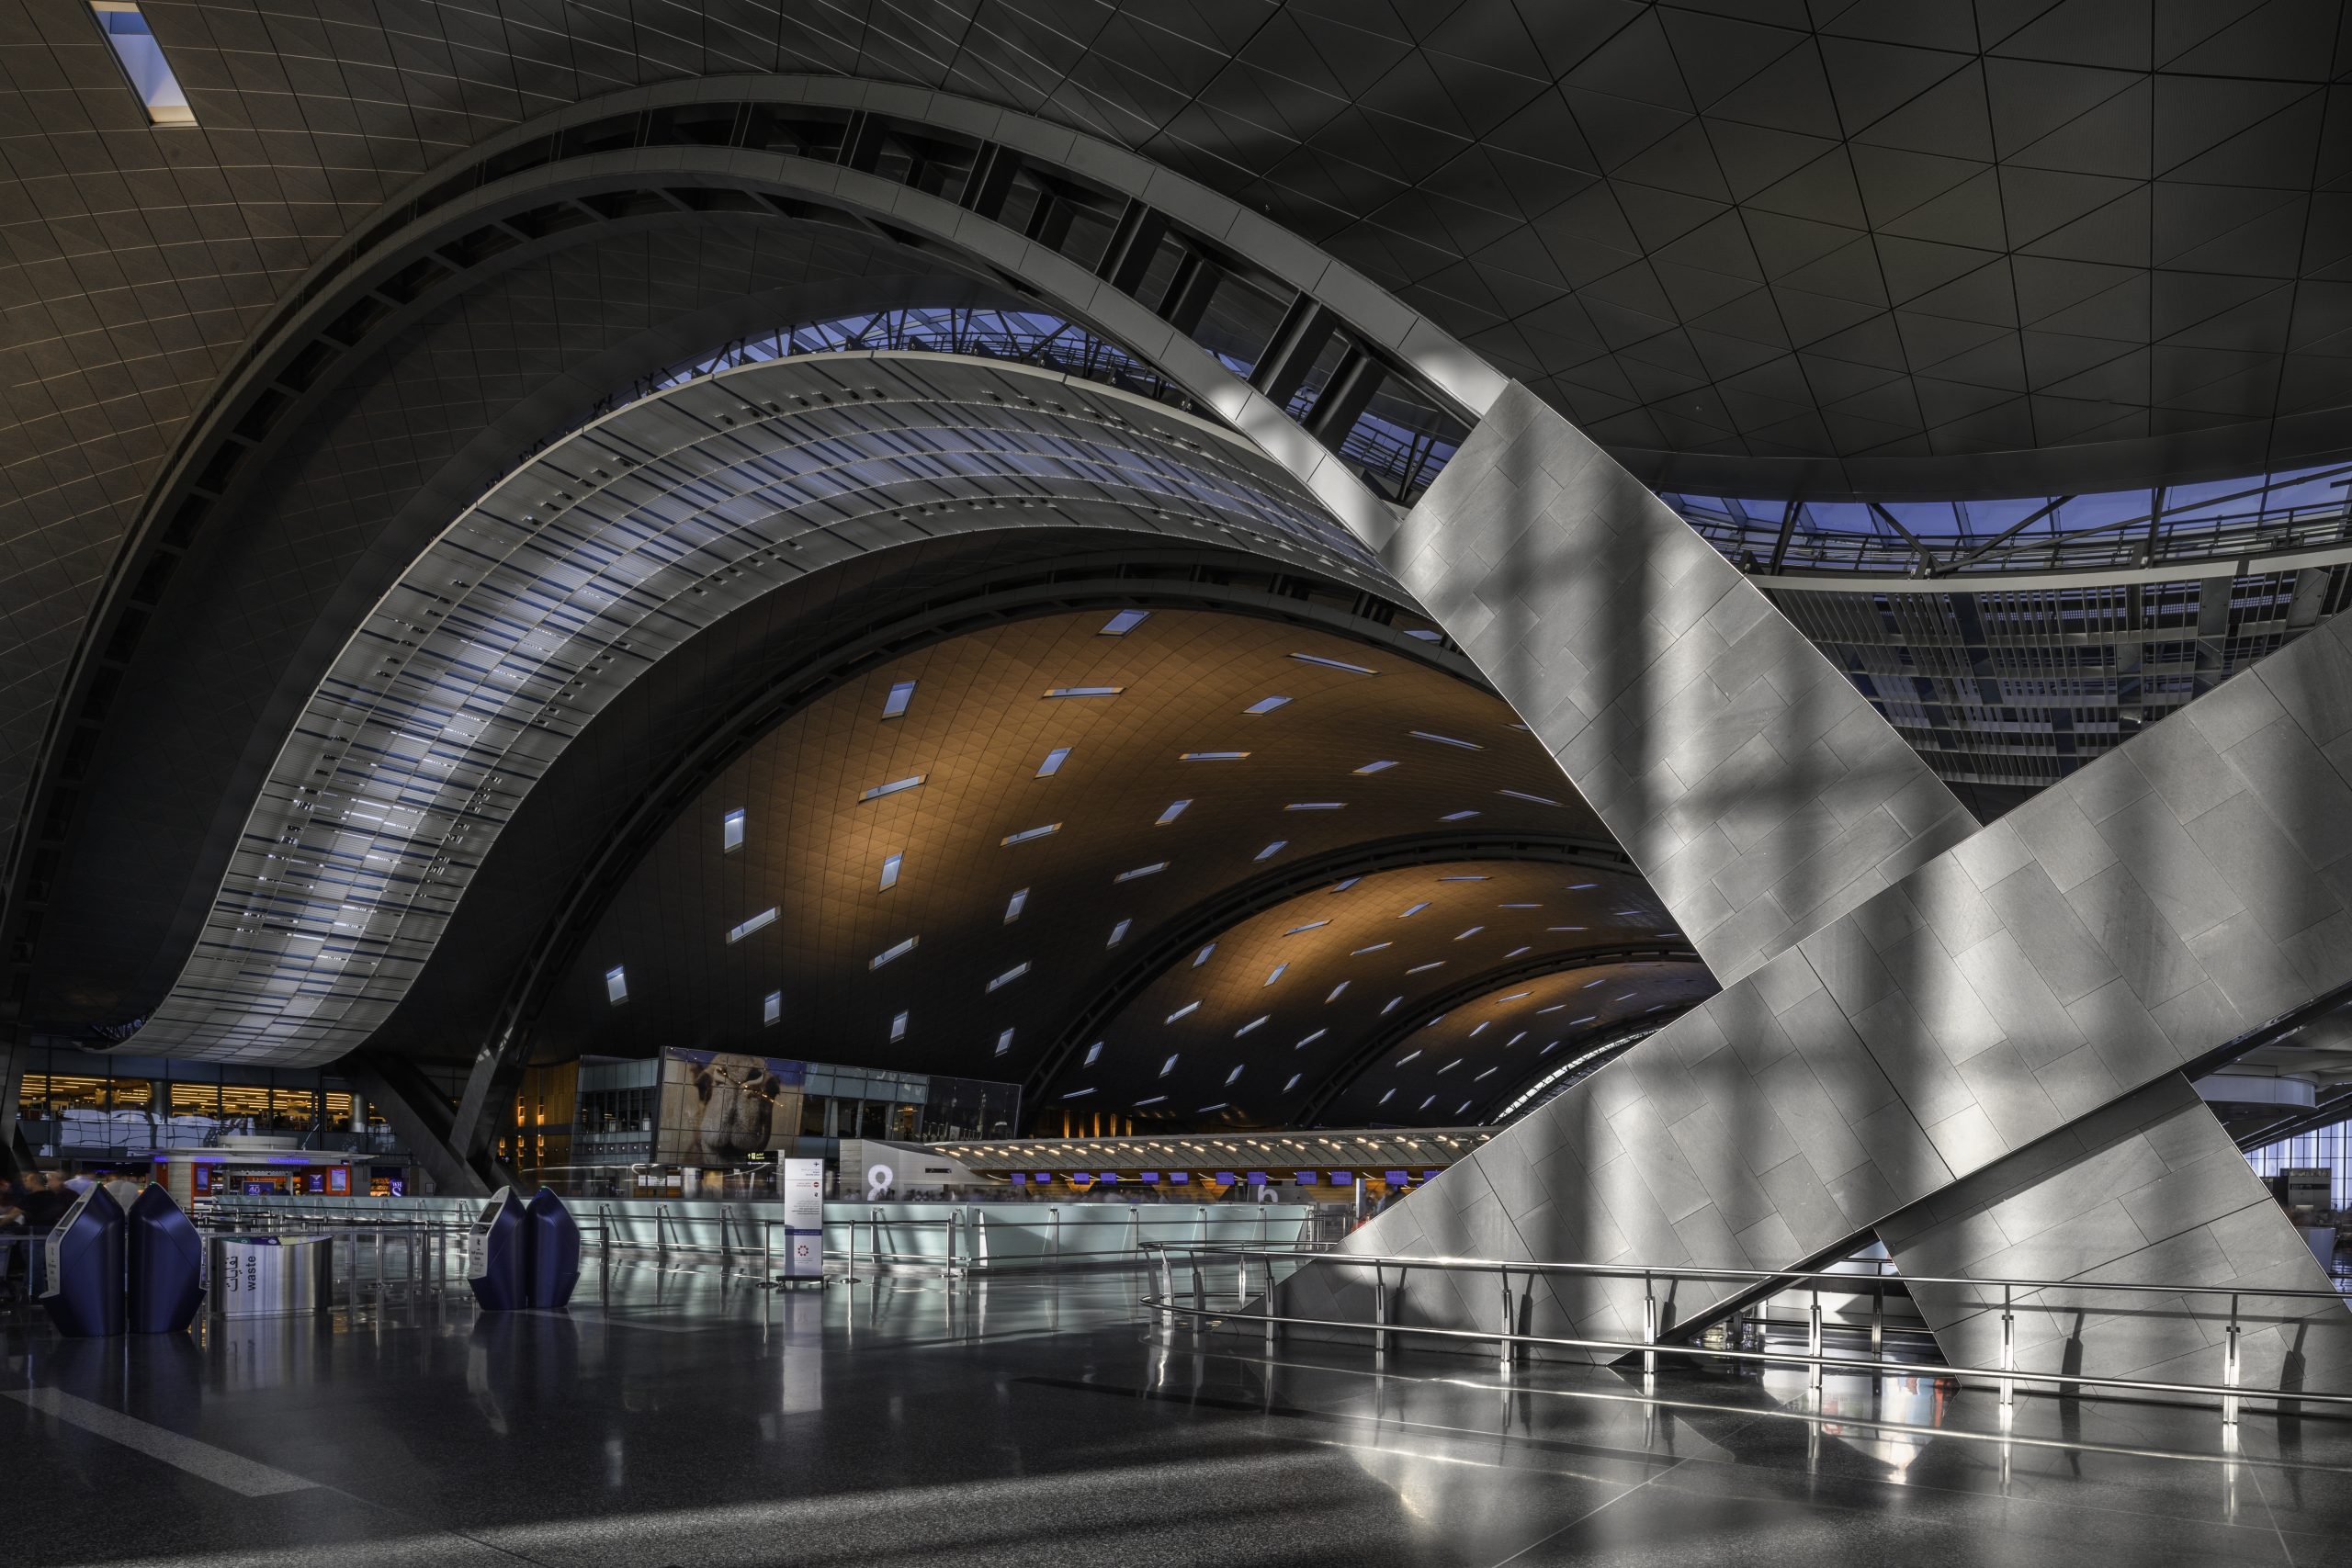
676 1420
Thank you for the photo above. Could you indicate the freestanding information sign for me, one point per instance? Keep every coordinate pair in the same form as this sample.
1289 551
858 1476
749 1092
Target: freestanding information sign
554 1250
82 1259
804 1219
166 1265
496 1260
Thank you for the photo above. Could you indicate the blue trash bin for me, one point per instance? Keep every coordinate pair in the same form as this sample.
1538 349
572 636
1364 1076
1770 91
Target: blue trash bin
554 1250
83 1262
497 1254
166 1265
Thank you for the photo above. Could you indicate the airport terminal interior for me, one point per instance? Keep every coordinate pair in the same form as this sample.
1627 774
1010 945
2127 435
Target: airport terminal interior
1175 782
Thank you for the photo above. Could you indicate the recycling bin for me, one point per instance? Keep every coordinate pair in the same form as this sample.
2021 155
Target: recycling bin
166 1265
81 1279
497 1254
553 1252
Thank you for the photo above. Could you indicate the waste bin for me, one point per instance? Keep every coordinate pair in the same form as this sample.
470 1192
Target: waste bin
82 1280
497 1254
166 1259
553 1251
271 1276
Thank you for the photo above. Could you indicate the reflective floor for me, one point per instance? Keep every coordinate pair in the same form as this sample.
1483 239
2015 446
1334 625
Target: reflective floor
678 1419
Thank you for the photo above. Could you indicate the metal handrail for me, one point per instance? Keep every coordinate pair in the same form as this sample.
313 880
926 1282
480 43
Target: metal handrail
1754 1276
1506 1339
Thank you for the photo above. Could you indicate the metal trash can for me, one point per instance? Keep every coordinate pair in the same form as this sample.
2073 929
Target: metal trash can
270 1275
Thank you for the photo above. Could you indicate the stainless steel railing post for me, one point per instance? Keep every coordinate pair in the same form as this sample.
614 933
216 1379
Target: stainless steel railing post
1510 1326
1379 1314
1273 1331
2230 1369
1813 1343
1649 1324
2008 1348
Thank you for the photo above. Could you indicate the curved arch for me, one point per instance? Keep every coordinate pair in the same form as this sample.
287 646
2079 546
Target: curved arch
601 555
507 1044
1206 920
1375 1046
584 165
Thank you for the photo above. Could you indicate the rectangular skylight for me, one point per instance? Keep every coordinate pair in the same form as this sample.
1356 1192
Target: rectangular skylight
1387 1097
1515 952
1271 851
1118 933
1211 756
1276 973
1265 705
1153 868
1445 740
1182 1011
1465 876
1093 1055
1168 1066
1003 1042
1522 795
1333 663
1202 956
1335 993
893 787
898 1027
731 832
1478 1028
1294 1082
141 58
1309 926
1026 834
1375 947
890 864
1423 968
1246 1027
616 984
1519 906
1315 805
1380 766
1409 912
1393 1003
901 695
1053 763
764 918
1009 976
896 950
1124 622
1155 1099
1175 809
1407 1056
1473 931
772 1007
1310 1039
1233 1077
1457 816
1085 691
1013 905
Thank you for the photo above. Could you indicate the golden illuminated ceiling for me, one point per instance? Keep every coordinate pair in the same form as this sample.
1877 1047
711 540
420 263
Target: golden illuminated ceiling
960 924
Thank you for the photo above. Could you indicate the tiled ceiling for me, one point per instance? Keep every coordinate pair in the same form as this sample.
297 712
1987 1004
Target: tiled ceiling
1016 930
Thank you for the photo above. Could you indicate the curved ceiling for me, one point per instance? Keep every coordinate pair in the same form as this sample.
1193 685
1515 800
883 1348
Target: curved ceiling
594 561
1014 930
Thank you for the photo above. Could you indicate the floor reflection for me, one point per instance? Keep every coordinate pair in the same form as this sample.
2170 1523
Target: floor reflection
685 1414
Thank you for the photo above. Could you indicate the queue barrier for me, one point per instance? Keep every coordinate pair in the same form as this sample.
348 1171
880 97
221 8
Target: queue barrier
860 1238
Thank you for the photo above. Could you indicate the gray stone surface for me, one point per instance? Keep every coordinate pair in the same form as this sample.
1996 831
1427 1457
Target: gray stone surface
2148 1191
1750 780
1927 1009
